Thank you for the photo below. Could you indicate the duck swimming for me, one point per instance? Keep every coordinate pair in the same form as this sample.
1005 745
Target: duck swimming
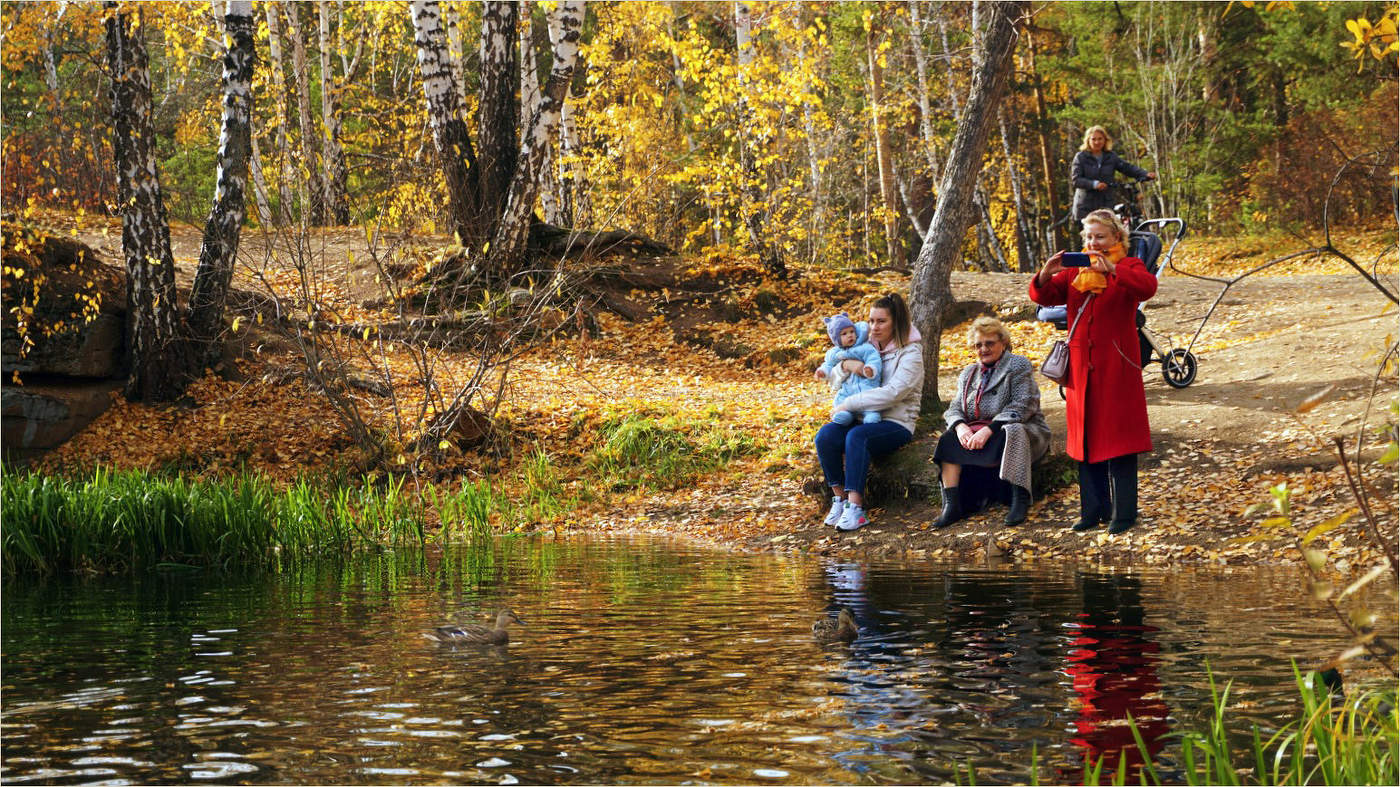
842 628
477 635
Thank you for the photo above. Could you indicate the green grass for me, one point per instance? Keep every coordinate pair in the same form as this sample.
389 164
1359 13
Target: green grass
121 521
663 453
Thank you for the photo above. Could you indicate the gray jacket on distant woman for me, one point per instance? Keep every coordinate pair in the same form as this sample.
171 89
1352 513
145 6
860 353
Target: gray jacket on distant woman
1088 168
1011 395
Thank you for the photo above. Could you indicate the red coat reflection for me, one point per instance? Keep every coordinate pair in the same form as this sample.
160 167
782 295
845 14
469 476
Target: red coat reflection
1113 667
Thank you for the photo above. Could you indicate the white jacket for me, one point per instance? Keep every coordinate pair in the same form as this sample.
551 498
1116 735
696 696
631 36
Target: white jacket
901 385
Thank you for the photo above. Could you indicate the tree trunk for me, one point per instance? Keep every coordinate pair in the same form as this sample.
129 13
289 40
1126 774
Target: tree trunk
334 174
313 209
277 86
224 226
529 70
932 291
455 51
1025 252
497 113
450 135
1042 131
755 213
916 44
565 27
889 198
683 106
817 223
156 355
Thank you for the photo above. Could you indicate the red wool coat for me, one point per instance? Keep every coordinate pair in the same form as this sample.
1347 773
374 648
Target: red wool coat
1105 407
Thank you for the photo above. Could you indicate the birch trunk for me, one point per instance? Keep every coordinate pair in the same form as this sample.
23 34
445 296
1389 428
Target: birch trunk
565 28
312 192
889 200
755 213
1025 253
683 104
497 113
916 44
223 228
156 356
334 175
1042 132
277 82
931 290
444 109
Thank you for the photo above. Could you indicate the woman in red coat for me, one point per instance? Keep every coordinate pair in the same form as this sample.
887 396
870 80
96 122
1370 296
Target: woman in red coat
1105 407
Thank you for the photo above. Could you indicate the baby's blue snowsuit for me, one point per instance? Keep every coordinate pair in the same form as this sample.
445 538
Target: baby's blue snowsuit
846 384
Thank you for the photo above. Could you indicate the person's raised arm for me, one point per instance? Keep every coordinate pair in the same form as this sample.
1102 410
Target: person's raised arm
1046 288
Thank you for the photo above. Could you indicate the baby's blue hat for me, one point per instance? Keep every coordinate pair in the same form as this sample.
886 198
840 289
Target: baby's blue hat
835 324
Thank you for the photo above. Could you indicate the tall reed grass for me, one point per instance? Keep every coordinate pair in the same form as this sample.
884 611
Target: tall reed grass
1334 740
119 521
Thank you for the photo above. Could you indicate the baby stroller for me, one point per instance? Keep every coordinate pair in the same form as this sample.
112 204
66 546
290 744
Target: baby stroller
1145 243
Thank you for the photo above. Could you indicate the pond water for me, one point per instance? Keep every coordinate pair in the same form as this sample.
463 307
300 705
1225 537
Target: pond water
641 661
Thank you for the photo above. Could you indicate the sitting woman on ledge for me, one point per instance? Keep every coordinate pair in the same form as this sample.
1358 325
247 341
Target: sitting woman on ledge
845 450
994 421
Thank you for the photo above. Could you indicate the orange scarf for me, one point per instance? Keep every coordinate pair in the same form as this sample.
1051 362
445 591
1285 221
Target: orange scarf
1090 280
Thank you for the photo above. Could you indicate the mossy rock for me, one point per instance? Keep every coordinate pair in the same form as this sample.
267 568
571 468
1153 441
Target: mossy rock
910 473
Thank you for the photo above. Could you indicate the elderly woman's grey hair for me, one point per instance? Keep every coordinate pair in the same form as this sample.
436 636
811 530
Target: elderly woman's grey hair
989 326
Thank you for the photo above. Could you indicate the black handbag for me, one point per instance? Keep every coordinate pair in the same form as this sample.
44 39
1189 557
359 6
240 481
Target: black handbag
1056 363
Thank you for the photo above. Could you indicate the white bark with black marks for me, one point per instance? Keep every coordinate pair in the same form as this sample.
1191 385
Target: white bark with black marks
754 209
152 345
497 113
932 291
223 228
333 175
313 210
444 108
565 28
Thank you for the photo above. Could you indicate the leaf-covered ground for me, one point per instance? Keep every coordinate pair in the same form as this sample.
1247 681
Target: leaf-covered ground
1221 444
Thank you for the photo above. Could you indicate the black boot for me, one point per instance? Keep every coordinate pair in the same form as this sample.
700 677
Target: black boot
952 508
1020 506
1093 495
1124 472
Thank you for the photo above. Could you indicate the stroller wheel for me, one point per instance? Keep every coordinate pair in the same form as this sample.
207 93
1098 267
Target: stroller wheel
1179 368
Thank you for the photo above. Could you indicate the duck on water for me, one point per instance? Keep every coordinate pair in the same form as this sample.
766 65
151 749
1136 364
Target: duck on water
477 635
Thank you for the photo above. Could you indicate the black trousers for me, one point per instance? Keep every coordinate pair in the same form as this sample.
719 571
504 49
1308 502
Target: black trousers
1098 500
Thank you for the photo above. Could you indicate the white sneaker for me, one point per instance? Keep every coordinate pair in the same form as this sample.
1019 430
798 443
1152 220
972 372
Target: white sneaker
838 505
853 518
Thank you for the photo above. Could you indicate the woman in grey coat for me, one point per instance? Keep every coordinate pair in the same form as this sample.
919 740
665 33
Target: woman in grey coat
1091 173
993 422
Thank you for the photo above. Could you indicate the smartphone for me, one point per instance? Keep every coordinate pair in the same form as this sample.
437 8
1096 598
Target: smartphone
1075 259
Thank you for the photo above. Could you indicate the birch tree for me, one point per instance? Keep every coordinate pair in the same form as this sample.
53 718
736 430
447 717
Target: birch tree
223 228
932 291
277 83
333 175
750 143
313 206
152 344
565 27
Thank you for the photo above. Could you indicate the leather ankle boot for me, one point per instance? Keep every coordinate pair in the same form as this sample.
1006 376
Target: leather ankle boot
952 508
1020 506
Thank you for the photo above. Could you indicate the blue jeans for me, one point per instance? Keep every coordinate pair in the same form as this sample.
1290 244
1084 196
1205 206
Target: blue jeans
856 445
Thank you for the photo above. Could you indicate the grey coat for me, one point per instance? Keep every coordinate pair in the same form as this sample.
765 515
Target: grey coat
1012 400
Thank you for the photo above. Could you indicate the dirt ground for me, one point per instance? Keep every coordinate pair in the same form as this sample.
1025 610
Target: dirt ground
1220 444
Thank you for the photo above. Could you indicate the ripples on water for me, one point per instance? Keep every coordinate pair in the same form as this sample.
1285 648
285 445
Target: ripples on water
641 661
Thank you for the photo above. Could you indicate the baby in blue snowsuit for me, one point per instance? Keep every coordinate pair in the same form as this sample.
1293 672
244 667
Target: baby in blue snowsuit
850 340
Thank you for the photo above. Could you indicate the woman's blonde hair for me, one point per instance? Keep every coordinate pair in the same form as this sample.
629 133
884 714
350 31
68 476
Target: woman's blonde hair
1107 145
1108 219
987 326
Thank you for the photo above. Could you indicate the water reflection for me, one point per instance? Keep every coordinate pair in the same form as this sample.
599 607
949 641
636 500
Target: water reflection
642 661
1113 668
